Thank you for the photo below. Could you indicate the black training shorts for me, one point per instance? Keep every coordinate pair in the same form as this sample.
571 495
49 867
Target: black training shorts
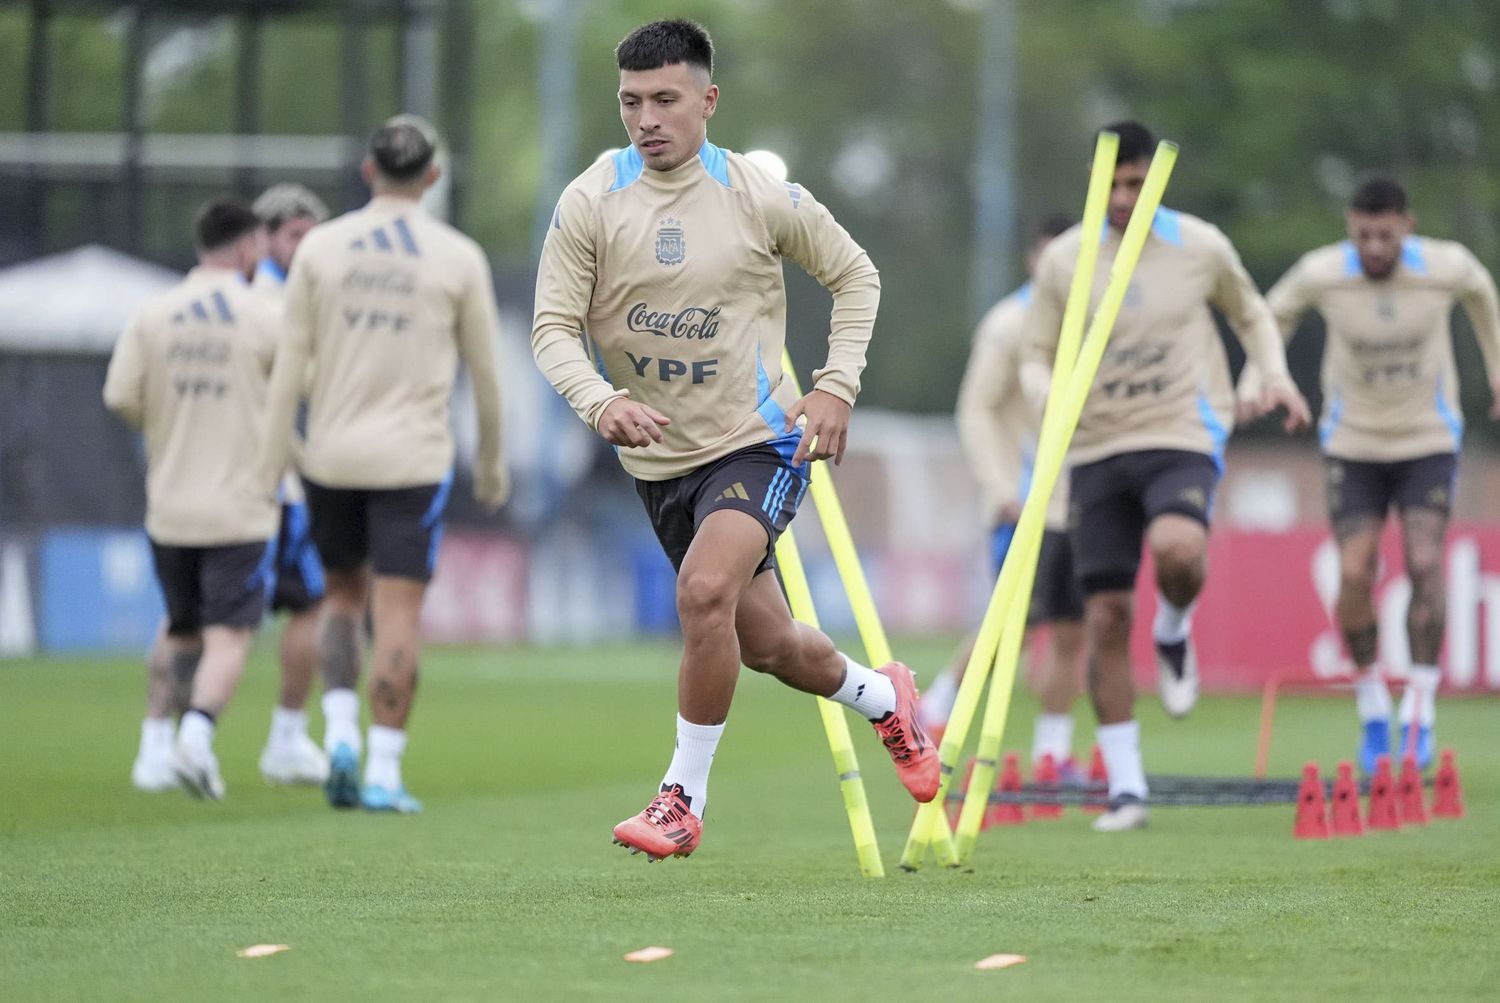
214 586
1116 498
396 530
758 481
1359 489
1055 595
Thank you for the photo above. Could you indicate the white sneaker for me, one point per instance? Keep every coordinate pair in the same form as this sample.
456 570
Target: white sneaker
1126 812
154 774
1177 676
197 771
297 762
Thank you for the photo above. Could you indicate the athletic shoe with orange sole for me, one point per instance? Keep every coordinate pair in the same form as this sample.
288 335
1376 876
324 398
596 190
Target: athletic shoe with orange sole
667 828
915 755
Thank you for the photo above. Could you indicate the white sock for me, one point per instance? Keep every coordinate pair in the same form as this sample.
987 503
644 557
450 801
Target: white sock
383 766
1421 690
1371 698
341 720
287 725
1173 623
865 691
157 736
937 703
1121 747
1052 734
692 758
196 730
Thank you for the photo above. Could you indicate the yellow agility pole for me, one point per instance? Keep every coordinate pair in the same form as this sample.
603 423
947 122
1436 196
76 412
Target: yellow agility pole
846 558
932 824
799 596
1058 425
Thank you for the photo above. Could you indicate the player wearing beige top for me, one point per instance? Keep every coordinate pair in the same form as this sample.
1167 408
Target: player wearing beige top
1391 427
999 411
1149 446
665 260
191 372
382 303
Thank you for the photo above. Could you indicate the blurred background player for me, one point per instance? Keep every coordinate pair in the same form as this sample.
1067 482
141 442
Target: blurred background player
190 371
684 313
999 415
382 302
288 212
1148 451
1391 428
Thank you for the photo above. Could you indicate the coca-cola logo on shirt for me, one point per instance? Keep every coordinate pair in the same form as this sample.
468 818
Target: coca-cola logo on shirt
692 323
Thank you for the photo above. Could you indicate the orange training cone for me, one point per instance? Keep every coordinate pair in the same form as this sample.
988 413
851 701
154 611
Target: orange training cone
1343 810
1010 782
1409 807
1381 813
1312 815
1044 771
1097 775
1447 792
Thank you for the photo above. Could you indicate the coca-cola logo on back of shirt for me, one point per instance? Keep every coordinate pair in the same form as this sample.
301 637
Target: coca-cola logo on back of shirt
692 323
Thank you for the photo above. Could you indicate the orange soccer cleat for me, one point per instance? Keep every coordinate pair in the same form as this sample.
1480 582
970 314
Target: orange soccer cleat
667 828
911 750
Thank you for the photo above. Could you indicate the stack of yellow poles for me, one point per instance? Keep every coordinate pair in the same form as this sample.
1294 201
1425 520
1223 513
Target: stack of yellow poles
999 642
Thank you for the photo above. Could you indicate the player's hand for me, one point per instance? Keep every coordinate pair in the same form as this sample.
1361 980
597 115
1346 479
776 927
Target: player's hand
1247 410
492 487
1298 414
629 423
826 429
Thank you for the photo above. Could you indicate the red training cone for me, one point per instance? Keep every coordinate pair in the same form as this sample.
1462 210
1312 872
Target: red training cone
1381 813
1097 775
1343 810
1409 807
1447 792
1312 816
1044 772
1010 782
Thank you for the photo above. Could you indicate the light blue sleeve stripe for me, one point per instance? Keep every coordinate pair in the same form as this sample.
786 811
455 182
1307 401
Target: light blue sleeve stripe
1454 422
1217 433
1332 415
715 163
628 167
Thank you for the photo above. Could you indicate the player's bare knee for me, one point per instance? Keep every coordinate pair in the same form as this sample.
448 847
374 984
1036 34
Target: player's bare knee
705 596
1107 618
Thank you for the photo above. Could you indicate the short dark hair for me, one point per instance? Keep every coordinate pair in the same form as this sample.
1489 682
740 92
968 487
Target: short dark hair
1051 225
222 222
662 43
280 204
403 147
1136 141
1378 193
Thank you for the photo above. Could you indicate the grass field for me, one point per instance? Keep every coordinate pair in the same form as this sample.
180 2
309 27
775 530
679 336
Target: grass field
508 886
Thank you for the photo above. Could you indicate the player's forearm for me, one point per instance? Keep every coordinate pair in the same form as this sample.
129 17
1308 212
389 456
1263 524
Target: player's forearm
1484 315
1261 339
560 356
856 299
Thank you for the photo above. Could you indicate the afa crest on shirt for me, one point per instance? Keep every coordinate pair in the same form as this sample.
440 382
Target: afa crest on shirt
671 248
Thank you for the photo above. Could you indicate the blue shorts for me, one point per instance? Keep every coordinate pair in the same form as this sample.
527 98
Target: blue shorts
299 571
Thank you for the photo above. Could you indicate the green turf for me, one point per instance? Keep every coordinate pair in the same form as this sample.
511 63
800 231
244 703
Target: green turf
508 885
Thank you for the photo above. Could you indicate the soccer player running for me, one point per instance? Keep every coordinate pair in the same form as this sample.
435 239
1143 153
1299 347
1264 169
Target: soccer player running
288 212
1148 450
999 414
1391 428
660 317
190 372
382 302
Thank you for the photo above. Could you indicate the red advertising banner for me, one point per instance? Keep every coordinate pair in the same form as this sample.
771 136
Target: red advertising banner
1268 607
478 592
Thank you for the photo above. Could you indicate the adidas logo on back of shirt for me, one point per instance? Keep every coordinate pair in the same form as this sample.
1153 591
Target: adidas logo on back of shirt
199 311
380 239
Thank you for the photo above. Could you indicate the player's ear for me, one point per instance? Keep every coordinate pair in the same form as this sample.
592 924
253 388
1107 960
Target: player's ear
367 171
710 101
433 173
